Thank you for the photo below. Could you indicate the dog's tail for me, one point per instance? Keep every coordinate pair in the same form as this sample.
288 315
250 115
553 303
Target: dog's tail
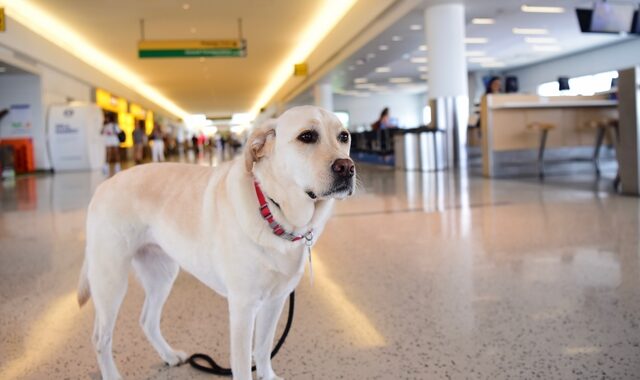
84 292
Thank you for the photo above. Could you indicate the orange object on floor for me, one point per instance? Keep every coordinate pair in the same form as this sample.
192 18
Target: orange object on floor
22 153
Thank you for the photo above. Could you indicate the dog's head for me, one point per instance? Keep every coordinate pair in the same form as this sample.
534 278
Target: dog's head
306 147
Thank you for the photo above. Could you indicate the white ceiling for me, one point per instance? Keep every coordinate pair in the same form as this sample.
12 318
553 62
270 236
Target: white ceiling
503 45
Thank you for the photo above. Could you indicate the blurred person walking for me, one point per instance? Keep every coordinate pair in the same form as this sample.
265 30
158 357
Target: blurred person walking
139 141
157 151
113 136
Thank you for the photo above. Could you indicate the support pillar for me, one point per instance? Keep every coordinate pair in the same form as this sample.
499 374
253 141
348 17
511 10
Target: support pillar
323 96
448 87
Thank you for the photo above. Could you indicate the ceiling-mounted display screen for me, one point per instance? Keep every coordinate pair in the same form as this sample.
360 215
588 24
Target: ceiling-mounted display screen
612 17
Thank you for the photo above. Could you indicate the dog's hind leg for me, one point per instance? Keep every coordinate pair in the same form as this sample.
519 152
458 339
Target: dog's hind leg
156 272
107 275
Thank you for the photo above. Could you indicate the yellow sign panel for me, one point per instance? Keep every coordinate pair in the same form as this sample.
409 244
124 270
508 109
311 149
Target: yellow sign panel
2 22
189 44
300 69
137 111
109 102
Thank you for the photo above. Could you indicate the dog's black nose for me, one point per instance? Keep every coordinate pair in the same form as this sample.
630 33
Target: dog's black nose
344 167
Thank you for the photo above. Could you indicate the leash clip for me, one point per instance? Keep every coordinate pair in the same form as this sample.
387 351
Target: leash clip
308 238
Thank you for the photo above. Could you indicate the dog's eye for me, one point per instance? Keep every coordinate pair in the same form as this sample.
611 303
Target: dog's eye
308 137
343 137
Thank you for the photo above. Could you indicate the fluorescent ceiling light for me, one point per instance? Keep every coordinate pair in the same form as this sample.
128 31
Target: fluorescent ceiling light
493 64
383 47
546 48
540 40
475 40
536 9
481 59
483 21
422 48
416 27
371 56
423 68
396 38
365 85
360 80
382 69
534 31
419 60
475 53
360 62
43 24
316 29
400 80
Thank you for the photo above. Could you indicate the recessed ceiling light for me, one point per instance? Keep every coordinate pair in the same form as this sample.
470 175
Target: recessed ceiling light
396 38
493 64
186 6
352 67
546 48
383 47
475 40
540 40
475 53
423 68
483 21
416 27
535 31
382 69
360 62
406 56
371 56
360 80
419 59
536 9
400 80
481 59
422 48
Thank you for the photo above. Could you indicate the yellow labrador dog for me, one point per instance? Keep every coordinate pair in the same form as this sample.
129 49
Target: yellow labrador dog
240 228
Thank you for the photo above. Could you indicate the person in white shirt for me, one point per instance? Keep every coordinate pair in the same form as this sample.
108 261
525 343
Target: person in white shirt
157 151
110 131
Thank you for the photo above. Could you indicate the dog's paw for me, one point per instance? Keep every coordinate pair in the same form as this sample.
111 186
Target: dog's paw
175 358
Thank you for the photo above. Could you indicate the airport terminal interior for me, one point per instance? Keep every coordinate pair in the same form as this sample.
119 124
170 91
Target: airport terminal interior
494 227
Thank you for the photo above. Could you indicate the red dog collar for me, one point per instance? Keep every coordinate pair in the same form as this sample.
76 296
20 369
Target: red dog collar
278 230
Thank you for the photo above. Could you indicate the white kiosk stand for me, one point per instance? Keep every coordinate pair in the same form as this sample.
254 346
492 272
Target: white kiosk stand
74 136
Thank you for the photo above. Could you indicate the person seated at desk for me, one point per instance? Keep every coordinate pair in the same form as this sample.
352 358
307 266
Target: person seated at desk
383 121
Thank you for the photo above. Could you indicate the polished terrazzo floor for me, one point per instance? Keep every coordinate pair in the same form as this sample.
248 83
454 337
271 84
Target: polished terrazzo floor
419 276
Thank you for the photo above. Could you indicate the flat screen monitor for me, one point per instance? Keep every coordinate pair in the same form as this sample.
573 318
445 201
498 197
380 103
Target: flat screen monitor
612 17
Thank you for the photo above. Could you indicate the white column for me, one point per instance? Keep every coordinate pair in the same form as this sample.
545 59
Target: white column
448 87
323 96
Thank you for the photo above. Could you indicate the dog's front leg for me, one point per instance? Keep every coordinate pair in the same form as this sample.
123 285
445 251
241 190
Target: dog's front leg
266 323
242 315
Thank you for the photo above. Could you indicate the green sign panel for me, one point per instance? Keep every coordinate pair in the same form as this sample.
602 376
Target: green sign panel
191 48
192 53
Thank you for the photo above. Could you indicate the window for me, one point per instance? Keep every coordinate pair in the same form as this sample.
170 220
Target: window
584 85
426 115
343 117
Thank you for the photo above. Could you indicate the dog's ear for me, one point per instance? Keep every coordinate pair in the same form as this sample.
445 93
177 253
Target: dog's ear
259 143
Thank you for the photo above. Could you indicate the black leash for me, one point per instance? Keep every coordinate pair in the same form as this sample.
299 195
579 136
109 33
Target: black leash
215 369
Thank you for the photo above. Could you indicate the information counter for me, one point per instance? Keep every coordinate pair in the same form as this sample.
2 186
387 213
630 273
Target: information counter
505 119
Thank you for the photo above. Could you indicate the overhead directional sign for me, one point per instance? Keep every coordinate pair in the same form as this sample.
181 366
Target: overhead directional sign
191 48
